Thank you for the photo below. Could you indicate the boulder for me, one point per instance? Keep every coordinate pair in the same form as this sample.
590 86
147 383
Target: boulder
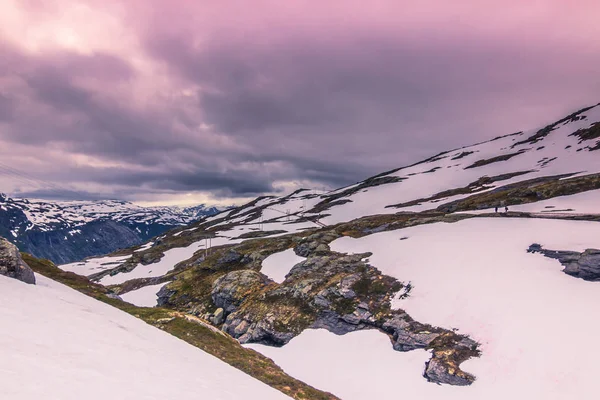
12 265
230 290
218 317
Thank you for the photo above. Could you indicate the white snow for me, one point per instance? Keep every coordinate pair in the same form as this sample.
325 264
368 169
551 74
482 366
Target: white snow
359 365
145 296
94 265
64 345
533 321
47 215
145 247
536 324
171 258
276 266
185 230
581 203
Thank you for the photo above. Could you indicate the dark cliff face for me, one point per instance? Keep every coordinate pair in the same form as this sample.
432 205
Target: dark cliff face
63 245
58 232
95 238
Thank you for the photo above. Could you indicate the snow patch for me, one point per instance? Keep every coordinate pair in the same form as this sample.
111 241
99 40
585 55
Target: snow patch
276 266
145 296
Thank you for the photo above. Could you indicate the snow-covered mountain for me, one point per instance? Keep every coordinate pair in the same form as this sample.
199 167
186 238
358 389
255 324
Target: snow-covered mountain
66 231
477 269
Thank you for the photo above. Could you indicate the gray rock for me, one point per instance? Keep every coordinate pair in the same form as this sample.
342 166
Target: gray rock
114 296
164 294
264 332
231 256
436 371
321 301
304 249
218 317
339 325
230 290
585 265
12 265
322 248
407 340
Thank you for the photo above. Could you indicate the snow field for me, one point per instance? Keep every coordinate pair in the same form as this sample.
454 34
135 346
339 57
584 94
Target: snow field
64 345
276 266
536 325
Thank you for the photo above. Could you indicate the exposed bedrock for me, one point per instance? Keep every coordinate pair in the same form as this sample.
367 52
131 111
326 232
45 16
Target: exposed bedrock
584 265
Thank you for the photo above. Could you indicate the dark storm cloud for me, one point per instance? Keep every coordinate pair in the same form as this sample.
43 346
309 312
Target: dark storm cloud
349 100
204 102
7 108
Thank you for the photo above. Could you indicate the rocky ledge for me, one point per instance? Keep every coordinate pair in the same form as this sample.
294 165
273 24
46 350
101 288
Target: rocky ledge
338 292
12 265
585 265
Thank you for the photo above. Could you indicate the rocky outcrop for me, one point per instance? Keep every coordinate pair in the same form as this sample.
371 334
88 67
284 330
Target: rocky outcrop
230 290
585 265
12 265
317 243
338 292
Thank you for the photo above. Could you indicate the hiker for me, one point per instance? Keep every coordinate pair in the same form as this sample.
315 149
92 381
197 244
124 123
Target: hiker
496 208
505 208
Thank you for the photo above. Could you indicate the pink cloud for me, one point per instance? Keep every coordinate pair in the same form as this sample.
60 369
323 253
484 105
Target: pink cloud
286 89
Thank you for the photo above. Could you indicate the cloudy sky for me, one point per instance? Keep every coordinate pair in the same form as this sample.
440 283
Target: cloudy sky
179 101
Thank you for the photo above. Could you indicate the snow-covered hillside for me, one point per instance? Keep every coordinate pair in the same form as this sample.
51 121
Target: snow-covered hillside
569 146
535 323
426 257
59 344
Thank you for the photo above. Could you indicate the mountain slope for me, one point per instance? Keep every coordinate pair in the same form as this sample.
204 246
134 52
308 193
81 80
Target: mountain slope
64 345
70 231
182 326
416 255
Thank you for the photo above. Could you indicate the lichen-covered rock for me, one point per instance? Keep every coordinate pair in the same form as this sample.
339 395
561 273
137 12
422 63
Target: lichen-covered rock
218 317
262 331
315 244
12 265
163 295
230 257
230 290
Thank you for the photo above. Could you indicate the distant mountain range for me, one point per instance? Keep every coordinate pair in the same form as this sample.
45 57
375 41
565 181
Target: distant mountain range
67 231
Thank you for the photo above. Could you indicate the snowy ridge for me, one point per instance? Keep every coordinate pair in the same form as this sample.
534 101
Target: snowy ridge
67 231
559 151
47 215
518 156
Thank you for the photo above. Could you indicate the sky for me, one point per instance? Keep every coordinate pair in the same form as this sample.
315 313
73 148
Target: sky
183 102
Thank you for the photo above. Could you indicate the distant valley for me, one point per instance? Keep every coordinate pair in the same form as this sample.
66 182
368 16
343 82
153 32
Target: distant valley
67 231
